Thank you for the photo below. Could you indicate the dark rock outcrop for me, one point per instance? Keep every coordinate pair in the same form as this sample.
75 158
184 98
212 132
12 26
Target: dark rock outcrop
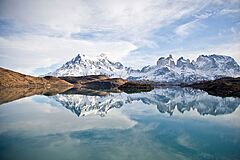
224 87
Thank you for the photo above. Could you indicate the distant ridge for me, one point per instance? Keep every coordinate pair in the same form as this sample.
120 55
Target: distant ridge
165 70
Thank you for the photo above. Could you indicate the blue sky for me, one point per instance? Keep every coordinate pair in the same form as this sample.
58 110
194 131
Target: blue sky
38 36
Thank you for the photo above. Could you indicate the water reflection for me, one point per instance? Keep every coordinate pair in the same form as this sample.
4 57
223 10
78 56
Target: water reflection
166 100
39 127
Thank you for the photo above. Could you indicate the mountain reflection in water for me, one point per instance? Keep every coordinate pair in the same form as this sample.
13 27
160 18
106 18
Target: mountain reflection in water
39 127
166 100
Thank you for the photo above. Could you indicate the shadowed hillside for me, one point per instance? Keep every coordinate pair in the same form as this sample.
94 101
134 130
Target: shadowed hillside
224 87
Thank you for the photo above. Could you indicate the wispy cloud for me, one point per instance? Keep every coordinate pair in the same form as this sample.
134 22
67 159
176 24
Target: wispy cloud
53 31
185 29
229 11
43 51
129 20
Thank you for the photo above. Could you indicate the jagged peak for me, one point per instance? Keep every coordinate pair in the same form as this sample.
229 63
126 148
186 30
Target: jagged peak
103 55
162 61
183 60
211 65
79 56
214 56
169 57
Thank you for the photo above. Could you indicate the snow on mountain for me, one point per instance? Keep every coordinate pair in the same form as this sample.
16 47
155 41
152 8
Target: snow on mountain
218 65
166 62
166 100
184 63
82 65
204 68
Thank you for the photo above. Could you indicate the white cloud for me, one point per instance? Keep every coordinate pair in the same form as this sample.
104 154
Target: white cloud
229 11
32 52
129 24
185 29
231 49
204 15
126 19
43 116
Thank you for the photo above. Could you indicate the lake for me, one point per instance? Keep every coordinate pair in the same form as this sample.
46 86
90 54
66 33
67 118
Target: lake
168 123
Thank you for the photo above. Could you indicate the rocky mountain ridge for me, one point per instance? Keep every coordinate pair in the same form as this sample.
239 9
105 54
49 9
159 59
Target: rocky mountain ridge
165 70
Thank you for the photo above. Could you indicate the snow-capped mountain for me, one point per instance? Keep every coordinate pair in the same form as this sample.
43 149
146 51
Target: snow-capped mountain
166 100
82 65
204 68
166 70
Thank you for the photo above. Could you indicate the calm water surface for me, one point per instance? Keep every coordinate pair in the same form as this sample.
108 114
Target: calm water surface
171 123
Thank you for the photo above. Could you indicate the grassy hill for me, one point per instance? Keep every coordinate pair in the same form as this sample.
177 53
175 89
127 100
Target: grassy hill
10 78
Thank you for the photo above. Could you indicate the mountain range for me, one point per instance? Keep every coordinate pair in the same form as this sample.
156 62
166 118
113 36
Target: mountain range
165 70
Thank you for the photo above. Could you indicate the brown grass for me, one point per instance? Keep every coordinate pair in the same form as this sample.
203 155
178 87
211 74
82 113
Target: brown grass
10 78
